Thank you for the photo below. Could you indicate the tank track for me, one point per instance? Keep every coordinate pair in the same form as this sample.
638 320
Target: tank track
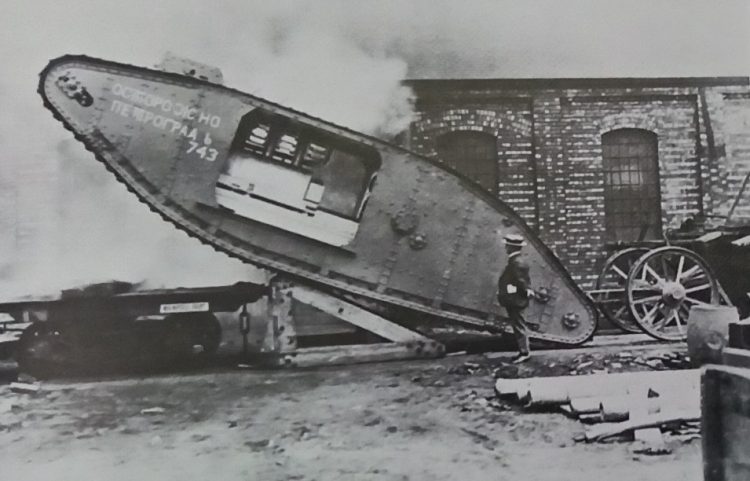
340 288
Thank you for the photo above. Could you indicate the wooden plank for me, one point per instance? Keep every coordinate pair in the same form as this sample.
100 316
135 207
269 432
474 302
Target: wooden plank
16 326
508 388
652 442
733 356
356 315
591 418
628 340
622 408
560 390
585 405
24 388
566 409
359 353
546 395
606 430
650 439
9 337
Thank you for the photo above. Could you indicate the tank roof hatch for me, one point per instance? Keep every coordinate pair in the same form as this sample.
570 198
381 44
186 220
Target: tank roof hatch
185 66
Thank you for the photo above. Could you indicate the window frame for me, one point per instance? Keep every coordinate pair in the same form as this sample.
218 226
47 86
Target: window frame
280 126
632 185
456 142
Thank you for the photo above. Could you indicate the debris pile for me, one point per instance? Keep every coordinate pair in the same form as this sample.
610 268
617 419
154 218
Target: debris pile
597 363
632 405
471 400
13 399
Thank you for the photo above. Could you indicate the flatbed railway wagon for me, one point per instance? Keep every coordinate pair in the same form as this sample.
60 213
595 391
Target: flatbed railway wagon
111 326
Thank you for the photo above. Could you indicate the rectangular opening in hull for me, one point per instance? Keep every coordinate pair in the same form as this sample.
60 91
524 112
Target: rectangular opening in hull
297 178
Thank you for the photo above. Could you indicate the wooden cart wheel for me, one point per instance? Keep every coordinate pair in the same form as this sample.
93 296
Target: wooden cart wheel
662 286
610 285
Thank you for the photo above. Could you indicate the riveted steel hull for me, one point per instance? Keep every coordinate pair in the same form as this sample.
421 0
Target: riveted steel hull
426 239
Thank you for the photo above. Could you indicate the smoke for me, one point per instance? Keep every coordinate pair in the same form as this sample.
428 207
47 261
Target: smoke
326 75
100 233
336 59
81 225
553 38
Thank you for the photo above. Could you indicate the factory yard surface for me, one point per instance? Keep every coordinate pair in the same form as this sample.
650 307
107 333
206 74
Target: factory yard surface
421 420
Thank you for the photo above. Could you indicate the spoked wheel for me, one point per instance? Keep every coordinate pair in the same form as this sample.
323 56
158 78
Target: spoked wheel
611 283
662 287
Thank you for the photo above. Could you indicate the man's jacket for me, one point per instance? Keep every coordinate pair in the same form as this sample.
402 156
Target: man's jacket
514 282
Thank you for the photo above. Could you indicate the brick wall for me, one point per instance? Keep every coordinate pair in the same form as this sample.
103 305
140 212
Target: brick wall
509 122
550 154
730 114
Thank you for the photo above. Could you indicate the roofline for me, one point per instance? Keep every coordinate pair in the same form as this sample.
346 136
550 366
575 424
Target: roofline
571 83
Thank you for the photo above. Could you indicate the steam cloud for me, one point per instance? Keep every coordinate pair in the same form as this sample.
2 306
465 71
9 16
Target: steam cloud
88 228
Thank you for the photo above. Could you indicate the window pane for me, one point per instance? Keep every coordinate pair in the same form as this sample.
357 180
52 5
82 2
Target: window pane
345 177
631 185
257 139
474 154
286 149
314 156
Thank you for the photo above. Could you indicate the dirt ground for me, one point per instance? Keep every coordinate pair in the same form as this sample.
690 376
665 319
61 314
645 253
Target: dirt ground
423 420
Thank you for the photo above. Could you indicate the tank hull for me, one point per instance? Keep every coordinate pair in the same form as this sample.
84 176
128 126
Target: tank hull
416 234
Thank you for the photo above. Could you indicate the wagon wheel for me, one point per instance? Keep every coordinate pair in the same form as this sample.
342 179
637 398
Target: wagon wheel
611 283
662 286
44 349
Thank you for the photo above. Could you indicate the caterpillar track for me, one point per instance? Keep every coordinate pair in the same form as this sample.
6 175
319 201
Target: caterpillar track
336 209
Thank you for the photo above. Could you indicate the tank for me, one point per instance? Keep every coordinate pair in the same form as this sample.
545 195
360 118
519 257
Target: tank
349 214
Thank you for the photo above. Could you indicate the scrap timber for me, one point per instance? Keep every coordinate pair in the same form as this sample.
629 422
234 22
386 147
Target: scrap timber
614 404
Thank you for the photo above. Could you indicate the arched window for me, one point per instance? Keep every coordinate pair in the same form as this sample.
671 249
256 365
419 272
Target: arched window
632 198
472 153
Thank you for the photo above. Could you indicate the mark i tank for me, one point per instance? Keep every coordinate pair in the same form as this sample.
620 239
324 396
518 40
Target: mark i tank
347 213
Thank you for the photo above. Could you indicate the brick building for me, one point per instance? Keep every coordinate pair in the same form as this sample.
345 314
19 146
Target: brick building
589 163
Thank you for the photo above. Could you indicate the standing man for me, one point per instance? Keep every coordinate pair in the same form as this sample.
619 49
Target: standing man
513 293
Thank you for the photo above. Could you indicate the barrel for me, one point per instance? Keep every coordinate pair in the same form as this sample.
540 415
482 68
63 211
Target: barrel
708 332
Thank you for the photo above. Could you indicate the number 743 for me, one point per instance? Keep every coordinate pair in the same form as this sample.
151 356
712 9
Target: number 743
204 152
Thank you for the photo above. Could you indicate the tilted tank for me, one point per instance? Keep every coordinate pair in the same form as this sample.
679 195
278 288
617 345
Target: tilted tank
349 214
